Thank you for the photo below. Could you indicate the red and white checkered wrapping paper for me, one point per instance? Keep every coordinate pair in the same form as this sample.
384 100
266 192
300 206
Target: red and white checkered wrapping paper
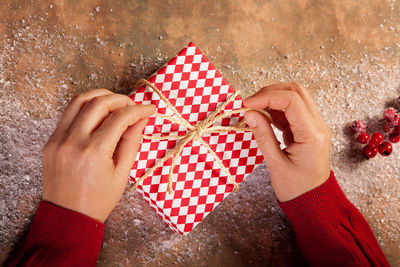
193 85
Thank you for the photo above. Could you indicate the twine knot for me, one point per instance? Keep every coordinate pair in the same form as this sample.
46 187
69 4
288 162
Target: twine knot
198 131
195 132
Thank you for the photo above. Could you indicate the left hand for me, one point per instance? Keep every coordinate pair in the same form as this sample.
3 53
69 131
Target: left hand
87 159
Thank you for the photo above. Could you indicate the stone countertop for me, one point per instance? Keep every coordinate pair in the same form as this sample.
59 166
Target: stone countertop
345 52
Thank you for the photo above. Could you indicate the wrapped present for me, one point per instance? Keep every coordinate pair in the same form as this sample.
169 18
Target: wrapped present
196 150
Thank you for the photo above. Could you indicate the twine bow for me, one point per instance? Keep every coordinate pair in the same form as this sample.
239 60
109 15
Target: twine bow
195 133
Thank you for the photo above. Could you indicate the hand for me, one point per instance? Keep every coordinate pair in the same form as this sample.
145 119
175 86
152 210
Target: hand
87 160
304 163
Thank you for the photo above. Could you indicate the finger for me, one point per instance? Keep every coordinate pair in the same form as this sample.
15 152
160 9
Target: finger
305 94
128 146
109 133
75 106
265 137
293 86
96 111
296 112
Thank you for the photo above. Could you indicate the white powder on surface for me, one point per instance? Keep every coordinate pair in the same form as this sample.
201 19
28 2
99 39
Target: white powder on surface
248 227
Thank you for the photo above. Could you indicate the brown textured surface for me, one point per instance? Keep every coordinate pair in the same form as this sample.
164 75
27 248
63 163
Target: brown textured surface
345 52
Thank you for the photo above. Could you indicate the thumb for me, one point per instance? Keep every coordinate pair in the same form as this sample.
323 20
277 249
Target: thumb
125 153
265 137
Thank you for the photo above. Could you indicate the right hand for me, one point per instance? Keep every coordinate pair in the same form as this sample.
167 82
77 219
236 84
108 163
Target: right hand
304 164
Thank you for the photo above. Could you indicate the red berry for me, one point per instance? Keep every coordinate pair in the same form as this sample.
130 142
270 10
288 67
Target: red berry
363 138
389 113
395 120
376 139
388 126
359 126
370 152
394 138
385 149
397 129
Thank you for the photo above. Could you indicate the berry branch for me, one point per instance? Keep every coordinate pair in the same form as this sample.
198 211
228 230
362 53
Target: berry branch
376 142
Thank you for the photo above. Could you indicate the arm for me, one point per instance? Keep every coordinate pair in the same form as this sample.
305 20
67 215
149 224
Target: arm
86 165
59 237
329 229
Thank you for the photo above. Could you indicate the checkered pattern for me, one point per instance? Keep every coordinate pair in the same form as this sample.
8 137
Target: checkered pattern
193 85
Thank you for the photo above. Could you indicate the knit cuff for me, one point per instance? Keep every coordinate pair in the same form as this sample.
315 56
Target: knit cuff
55 222
319 204
65 234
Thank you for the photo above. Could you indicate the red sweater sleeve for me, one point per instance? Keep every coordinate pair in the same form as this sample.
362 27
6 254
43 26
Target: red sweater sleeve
330 231
60 237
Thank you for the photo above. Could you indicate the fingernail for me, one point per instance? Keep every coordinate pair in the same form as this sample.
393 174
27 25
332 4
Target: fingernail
250 120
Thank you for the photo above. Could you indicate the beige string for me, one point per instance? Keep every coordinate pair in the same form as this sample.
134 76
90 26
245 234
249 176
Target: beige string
195 133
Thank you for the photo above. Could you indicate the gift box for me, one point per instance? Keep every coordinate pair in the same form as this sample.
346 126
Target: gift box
195 89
